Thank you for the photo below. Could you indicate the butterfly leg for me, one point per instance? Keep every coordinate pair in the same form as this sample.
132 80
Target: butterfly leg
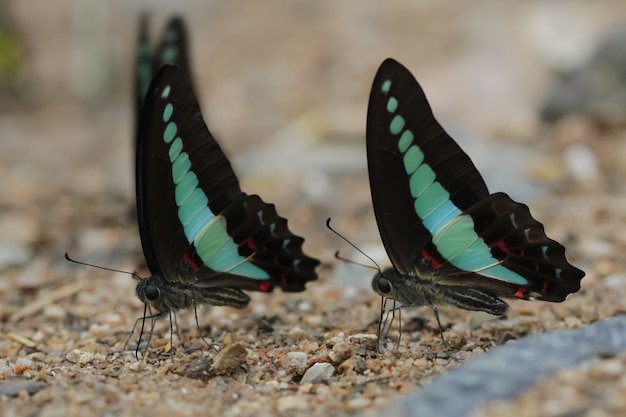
154 319
399 326
146 316
443 339
173 328
132 331
381 325
195 312
386 320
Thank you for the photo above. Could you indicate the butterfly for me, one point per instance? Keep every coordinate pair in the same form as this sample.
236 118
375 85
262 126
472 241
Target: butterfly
204 240
450 241
173 49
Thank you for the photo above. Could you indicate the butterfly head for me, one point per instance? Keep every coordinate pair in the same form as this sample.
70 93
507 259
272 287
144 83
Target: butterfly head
407 290
387 282
149 292
381 283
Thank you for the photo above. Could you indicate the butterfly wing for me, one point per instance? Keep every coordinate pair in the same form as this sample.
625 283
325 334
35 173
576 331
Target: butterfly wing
195 223
513 255
143 66
433 209
172 49
405 140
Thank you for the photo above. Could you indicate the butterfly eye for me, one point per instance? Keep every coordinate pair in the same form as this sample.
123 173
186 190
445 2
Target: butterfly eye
152 292
383 285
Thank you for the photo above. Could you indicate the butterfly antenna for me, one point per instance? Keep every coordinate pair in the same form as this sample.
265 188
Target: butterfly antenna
67 257
354 246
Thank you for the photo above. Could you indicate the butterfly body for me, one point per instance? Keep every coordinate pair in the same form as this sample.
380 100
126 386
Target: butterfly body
167 295
413 291
450 241
204 240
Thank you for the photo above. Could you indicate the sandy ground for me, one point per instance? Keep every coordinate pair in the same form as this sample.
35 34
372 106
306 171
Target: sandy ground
284 88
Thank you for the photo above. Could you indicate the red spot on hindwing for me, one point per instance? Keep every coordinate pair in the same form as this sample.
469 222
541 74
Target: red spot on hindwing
264 286
191 262
249 243
502 246
521 292
434 262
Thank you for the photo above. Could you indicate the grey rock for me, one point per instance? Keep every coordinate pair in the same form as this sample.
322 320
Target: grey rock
509 370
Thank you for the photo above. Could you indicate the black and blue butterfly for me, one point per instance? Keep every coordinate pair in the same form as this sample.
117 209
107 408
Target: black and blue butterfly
450 241
204 240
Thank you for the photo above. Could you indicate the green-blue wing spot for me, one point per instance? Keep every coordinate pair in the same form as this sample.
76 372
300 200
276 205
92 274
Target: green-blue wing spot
421 179
191 207
503 274
180 167
176 148
392 104
441 216
169 55
434 197
413 157
197 224
397 124
167 112
406 139
458 242
185 187
170 132
386 86
218 251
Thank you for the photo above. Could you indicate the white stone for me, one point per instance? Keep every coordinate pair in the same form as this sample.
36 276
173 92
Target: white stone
319 372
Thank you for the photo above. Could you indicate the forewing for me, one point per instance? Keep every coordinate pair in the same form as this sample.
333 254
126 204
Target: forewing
173 48
183 177
419 177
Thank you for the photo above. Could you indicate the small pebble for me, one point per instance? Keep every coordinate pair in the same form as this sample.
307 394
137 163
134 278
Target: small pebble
136 366
22 365
366 339
79 357
340 352
296 361
229 359
199 368
319 372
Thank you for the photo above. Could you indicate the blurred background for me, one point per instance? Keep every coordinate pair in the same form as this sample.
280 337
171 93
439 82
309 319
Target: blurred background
534 91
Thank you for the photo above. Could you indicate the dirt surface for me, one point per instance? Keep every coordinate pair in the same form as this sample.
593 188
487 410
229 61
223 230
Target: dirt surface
284 87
